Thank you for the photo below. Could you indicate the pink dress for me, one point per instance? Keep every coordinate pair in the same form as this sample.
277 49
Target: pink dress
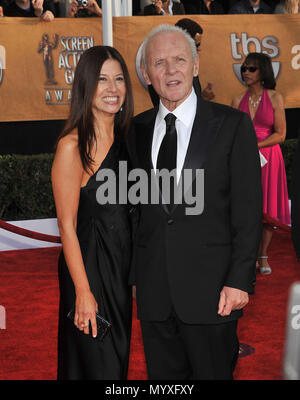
273 177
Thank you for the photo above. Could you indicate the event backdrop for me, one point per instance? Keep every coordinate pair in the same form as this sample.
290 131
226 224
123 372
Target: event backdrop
38 59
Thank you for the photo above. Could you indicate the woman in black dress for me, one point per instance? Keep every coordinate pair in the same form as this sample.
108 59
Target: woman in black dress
96 239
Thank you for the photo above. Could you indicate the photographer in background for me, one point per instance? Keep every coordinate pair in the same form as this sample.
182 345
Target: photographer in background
85 8
164 7
43 9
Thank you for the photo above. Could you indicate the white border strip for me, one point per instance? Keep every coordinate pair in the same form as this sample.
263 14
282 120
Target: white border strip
12 241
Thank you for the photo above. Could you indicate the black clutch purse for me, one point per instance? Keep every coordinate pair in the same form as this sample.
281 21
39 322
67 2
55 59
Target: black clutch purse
103 326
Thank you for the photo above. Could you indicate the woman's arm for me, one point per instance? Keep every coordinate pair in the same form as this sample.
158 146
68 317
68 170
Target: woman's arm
278 136
67 175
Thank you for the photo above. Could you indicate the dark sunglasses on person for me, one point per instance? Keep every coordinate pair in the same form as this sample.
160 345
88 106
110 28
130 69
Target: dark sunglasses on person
245 68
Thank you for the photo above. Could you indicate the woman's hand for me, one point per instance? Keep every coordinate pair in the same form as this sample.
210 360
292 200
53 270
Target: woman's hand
85 309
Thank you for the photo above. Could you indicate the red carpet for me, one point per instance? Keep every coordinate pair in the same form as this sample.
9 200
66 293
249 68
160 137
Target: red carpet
29 293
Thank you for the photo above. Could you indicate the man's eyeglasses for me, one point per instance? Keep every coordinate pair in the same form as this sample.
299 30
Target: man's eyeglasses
244 68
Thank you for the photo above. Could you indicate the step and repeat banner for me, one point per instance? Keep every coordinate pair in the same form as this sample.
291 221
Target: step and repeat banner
38 59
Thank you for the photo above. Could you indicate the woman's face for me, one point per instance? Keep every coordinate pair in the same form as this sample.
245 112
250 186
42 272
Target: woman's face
111 90
250 73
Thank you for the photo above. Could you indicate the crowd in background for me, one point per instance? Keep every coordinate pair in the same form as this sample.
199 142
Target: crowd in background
47 10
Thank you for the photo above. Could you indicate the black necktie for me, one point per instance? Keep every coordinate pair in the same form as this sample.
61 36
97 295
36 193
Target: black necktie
167 156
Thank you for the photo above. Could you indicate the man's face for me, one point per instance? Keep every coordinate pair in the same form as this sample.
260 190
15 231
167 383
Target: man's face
170 68
255 3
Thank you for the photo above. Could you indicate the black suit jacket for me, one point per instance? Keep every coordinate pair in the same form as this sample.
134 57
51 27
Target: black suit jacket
182 260
177 9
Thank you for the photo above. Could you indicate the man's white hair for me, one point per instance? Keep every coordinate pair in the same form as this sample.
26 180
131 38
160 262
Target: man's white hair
165 28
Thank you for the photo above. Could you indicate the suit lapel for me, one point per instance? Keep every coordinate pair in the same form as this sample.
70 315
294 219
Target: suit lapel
144 137
204 132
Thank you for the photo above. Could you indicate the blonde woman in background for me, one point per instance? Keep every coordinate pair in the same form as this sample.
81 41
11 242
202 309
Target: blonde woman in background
287 7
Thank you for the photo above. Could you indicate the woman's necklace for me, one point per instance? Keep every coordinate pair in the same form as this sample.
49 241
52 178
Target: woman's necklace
255 103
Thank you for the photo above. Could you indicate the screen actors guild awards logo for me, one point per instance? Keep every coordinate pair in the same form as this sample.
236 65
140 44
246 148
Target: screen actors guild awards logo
46 47
69 50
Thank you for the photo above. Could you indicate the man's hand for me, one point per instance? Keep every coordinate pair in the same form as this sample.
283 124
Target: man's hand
232 299
94 8
208 93
73 8
38 7
47 16
158 5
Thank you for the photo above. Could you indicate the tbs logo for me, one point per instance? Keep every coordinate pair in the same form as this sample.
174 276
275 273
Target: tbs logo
239 46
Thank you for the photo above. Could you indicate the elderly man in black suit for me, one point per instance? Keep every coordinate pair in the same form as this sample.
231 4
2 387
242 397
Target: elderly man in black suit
193 270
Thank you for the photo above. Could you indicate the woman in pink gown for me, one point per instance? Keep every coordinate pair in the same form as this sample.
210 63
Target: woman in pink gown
266 109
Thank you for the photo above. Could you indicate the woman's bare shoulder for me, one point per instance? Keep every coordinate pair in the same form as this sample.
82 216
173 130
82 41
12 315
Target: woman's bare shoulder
69 143
276 98
237 99
67 151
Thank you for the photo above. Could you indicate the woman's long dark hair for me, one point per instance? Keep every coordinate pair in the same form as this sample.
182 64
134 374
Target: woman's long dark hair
263 62
83 92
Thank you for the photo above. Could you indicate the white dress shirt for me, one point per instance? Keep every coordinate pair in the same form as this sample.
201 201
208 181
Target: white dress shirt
185 115
170 8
